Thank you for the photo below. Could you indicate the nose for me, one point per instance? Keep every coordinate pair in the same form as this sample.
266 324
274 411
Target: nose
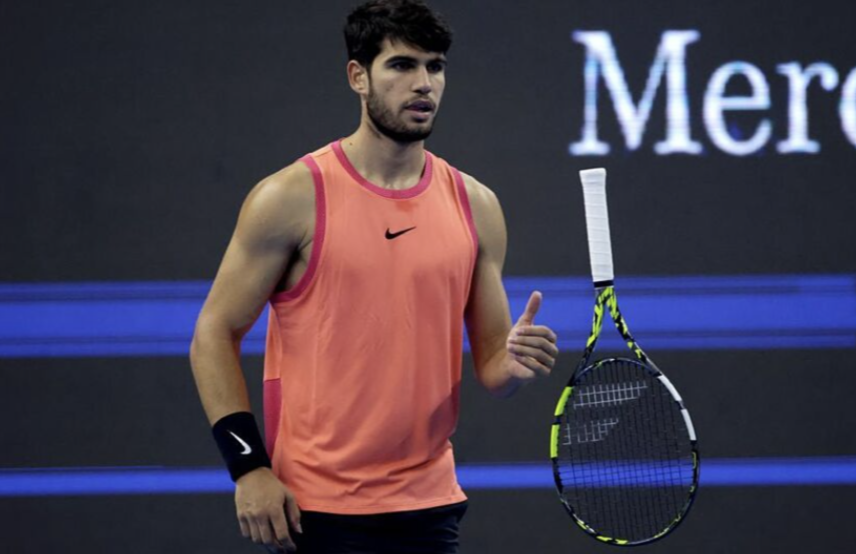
422 84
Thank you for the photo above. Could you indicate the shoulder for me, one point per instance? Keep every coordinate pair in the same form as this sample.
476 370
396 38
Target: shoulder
281 206
487 215
484 203
480 196
289 186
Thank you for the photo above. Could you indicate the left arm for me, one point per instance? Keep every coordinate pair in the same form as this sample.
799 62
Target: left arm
506 356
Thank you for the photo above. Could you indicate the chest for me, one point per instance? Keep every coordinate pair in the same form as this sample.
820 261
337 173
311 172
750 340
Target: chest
417 240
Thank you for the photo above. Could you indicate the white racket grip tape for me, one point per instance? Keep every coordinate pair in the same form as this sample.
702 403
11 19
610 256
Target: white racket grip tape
597 223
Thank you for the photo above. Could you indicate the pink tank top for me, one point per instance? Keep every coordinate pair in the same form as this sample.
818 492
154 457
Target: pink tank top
363 358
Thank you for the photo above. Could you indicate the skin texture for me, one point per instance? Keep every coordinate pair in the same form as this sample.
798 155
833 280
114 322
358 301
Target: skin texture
270 248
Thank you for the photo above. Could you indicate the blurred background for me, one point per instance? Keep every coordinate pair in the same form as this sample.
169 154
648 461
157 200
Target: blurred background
132 131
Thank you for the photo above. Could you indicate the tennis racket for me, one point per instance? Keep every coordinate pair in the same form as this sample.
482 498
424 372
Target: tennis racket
623 447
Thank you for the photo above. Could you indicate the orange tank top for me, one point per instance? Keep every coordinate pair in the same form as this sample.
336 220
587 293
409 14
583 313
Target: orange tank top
363 358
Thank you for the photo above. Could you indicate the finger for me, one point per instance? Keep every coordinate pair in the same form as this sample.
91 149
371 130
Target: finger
245 528
255 534
527 351
267 533
532 364
280 529
534 345
535 331
532 308
293 512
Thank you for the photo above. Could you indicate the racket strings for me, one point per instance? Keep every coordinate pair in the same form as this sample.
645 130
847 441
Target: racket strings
625 461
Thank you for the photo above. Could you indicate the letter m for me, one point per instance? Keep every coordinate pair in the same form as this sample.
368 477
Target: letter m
670 60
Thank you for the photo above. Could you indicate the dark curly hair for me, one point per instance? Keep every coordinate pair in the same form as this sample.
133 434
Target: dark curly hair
408 21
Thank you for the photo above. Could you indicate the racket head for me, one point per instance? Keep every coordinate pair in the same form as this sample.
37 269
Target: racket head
624 452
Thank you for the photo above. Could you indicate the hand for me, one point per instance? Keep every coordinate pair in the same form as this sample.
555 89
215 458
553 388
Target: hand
262 502
532 349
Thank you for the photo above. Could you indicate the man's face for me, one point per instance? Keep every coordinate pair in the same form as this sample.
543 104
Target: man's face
405 88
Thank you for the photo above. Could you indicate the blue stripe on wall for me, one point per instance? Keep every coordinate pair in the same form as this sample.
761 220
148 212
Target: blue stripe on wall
158 480
665 313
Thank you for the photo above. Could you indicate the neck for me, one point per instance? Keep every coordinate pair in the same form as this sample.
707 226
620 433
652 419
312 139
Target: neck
384 162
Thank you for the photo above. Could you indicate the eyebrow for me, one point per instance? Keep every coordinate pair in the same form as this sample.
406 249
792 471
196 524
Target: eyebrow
411 59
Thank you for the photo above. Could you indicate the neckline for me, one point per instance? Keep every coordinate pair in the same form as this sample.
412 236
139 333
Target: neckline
409 192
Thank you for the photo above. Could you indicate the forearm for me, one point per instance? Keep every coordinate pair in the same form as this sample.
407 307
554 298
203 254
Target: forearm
494 373
215 359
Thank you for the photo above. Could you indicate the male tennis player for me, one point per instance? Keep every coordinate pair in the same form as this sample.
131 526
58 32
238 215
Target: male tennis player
371 252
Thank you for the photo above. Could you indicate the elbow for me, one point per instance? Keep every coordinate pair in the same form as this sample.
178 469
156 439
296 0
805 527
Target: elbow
196 348
198 340
209 333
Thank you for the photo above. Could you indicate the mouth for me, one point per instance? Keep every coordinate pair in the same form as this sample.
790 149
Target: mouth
421 106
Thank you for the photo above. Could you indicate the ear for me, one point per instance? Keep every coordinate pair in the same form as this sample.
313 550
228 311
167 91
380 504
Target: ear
358 77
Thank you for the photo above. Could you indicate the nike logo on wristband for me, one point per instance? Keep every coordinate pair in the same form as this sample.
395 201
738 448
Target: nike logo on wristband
247 449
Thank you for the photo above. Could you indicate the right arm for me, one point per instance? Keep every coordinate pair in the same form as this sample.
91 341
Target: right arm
271 228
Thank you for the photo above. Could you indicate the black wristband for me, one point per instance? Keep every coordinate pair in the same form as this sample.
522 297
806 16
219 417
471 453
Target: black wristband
240 443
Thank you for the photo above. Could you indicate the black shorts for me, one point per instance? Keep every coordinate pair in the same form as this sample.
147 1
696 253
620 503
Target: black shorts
429 531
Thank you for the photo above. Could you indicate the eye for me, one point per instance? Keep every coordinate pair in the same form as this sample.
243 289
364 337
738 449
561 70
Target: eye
436 67
401 65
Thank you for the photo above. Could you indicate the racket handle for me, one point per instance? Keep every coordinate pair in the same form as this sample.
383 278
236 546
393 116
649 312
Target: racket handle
597 223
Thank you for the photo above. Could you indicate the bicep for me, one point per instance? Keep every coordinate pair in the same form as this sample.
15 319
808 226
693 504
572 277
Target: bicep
268 230
487 315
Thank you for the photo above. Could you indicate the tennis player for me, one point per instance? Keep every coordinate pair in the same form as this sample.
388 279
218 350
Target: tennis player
371 252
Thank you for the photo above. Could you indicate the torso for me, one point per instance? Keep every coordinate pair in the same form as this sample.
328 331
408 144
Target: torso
355 305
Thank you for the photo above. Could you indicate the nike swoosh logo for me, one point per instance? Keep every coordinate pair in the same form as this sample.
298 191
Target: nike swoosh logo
246 446
390 236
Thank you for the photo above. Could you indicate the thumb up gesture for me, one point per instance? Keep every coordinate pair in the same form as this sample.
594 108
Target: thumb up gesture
532 349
